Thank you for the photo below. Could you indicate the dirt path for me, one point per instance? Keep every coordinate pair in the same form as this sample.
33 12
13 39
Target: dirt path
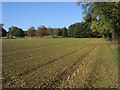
98 70
78 78
105 74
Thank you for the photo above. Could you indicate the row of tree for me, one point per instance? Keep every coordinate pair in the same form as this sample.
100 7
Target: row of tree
32 32
43 31
77 30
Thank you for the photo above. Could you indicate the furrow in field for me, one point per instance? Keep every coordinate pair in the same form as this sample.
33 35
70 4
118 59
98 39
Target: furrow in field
15 59
30 52
28 64
65 75
44 64
49 61
25 73
27 46
64 72
35 52
33 61
78 78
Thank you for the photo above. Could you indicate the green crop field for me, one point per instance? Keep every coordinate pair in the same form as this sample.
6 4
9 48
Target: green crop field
59 63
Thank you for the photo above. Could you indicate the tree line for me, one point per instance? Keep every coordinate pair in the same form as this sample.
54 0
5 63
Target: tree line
32 32
103 18
76 30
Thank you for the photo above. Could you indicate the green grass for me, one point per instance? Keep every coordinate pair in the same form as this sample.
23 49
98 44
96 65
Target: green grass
47 62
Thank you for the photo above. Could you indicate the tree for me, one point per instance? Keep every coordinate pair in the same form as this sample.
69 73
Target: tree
60 32
19 33
51 31
47 32
25 32
107 16
57 32
71 30
9 36
16 32
11 30
64 32
4 32
41 31
31 32
80 30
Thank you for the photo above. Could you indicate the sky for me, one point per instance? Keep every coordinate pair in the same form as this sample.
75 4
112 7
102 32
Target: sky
51 14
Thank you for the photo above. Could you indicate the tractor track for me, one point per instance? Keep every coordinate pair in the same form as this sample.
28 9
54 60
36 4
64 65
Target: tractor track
64 75
94 79
79 76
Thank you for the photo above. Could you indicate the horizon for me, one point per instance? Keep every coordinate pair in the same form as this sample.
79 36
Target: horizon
50 14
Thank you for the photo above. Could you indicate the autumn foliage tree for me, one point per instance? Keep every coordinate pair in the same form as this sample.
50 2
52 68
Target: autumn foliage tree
25 32
31 32
40 32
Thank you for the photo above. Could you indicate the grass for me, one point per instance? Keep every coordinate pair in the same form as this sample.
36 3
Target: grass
48 62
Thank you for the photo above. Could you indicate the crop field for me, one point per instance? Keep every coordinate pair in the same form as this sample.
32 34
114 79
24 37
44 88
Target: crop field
59 63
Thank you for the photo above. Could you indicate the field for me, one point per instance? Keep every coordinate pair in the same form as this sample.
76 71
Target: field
60 63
